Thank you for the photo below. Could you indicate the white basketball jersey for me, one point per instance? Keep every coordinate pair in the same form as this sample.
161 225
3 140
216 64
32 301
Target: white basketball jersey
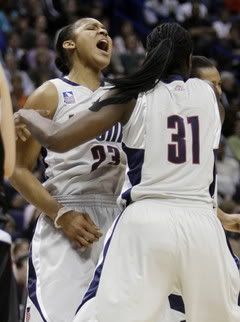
94 167
169 141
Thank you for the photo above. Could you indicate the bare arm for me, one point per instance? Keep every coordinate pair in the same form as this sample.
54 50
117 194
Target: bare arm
78 227
230 222
7 127
27 153
79 129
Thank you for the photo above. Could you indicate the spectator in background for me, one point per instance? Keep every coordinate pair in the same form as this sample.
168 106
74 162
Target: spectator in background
234 141
119 42
154 10
230 87
17 93
15 47
28 34
228 172
134 54
185 10
11 68
20 249
222 24
42 42
40 24
44 69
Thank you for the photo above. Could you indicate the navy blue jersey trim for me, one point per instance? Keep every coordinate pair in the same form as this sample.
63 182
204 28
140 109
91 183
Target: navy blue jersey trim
32 282
135 159
69 82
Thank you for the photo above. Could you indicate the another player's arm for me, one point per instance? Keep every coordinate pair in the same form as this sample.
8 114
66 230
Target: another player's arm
7 127
79 129
230 222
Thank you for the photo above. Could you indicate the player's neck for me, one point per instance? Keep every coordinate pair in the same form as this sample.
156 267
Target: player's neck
85 76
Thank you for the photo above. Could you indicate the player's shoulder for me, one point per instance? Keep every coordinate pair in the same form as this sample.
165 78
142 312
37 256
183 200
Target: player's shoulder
203 87
45 96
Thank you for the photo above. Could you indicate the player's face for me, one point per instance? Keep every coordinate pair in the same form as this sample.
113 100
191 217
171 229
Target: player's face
211 74
93 44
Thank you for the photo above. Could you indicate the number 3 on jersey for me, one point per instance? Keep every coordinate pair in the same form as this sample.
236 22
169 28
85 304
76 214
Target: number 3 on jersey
99 154
177 152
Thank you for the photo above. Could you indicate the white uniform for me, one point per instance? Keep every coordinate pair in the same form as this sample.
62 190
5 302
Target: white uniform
88 179
169 236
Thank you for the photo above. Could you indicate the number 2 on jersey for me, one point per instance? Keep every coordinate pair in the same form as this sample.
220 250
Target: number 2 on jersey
99 154
177 152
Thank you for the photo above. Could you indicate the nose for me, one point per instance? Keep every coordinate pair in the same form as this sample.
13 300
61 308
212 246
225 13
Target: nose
103 32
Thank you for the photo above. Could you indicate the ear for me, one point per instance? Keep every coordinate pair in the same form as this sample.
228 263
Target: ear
69 44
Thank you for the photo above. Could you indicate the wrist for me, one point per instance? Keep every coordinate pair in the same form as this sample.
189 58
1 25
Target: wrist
62 211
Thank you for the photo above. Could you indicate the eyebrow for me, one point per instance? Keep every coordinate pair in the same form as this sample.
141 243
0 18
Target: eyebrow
95 24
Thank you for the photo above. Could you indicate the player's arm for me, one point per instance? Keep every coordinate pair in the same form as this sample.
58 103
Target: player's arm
230 222
7 127
76 226
79 129
27 153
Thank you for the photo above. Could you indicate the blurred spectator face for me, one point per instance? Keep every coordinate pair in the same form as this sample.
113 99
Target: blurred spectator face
212 75
42 57
14 41
10 62
228 81
131 42
41 23
127 28
97 10
23 23
195 9
17 83
42 40
71 7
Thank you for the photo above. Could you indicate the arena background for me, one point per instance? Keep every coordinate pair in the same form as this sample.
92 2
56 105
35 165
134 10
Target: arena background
27 29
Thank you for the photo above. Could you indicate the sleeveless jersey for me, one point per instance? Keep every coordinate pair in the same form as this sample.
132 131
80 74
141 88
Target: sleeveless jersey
170 140
94 167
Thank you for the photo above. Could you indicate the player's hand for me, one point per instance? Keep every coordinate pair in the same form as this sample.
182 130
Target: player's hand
231 222
79 228
20 119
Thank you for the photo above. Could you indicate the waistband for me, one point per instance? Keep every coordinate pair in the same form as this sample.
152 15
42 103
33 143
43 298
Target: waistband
88 200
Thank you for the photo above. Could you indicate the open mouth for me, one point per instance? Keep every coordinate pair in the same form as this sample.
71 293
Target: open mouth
103 45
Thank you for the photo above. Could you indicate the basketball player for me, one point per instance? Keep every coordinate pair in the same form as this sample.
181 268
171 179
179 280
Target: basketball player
168 236
9 310
85 180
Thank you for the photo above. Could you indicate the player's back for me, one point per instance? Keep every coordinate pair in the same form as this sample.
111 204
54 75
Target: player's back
170 141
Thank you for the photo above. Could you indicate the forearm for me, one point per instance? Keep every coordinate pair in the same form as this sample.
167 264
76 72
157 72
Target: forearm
221 215
42 129
34 192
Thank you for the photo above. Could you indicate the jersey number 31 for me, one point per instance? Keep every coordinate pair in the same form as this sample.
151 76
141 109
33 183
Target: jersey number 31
177 152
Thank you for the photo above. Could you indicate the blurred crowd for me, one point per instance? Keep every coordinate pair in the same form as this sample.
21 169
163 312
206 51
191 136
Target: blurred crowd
27 29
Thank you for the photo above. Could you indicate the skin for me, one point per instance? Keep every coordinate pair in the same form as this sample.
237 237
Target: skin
212 75
7 127
87 61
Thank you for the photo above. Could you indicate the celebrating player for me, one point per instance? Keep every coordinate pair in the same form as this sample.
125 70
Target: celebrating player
85 180
168 237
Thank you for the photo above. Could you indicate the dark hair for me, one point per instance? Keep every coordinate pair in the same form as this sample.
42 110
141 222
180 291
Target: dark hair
200 62
169 47
62 59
